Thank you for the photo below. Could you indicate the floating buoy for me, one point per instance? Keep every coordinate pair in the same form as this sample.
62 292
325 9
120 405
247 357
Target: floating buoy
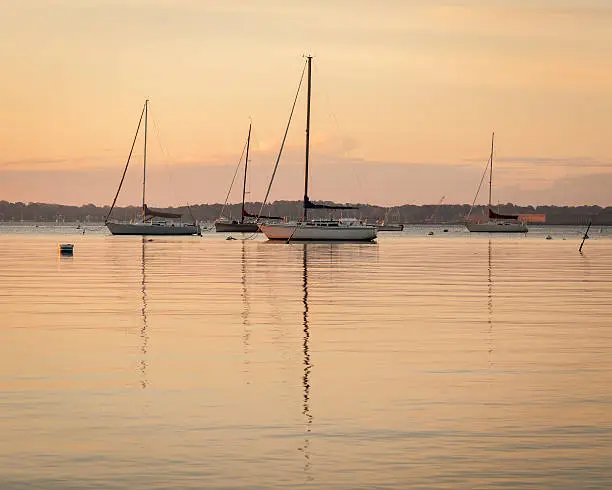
66 248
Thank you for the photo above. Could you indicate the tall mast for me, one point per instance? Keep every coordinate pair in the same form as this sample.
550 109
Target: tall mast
246 164
490 168
305 214
144 166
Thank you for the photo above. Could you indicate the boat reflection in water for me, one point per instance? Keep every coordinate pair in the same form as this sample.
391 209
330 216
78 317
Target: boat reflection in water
246 309
144 330
307 365
490 304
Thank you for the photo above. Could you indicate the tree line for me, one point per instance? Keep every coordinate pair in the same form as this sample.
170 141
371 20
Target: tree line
406 214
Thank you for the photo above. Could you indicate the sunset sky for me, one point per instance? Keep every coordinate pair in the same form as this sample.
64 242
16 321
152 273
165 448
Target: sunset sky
405 96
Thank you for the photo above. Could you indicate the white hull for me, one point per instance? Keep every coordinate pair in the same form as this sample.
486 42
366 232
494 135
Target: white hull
152 228
317 232
497 227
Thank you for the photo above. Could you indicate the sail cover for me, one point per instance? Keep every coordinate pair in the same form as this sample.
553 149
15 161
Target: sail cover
152 213
308 204
494 215
246 214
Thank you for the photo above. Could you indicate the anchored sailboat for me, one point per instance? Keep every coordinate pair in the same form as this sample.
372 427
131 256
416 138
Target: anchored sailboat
323 230
151 222
497 223
225 225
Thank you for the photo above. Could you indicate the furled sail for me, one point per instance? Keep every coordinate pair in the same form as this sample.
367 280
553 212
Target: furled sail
246 214
152 213
308 204
494 215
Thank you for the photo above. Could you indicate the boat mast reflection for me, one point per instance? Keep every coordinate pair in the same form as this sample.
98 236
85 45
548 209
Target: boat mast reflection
490 305
307 366
144 330
246 308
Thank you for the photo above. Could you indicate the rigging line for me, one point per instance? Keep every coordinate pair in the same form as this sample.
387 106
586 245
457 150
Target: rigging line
340 133
263 203
233 179
167 158
126 165
479 187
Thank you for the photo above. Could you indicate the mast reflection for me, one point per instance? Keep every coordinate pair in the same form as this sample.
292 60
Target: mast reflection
490 304
307 366
246 308
144 330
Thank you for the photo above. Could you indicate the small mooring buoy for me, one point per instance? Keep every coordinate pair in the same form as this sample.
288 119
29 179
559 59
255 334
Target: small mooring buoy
66 248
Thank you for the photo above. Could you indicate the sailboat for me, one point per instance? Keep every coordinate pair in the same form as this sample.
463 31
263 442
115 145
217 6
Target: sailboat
151 222
497 223
324 230
225 225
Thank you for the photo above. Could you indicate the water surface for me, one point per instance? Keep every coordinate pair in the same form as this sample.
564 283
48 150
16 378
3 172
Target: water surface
447 361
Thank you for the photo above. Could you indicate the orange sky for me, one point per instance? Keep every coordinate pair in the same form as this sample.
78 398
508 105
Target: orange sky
405 95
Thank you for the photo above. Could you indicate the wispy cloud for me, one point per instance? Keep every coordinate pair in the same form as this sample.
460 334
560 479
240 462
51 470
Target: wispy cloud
61 164
344 179
573 162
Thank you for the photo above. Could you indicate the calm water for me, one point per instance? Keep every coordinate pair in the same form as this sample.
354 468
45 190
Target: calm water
445 361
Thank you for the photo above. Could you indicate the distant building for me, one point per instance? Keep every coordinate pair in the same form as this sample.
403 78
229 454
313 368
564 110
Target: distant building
533 218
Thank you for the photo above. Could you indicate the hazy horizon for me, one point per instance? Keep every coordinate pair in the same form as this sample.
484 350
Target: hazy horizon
405 97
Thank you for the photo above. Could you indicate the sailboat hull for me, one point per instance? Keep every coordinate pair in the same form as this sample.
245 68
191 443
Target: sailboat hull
497 227
228 227
312 232
153 229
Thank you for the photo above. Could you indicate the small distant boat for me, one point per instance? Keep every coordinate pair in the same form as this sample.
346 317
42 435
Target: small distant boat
384 224
152 222
389 227
497 223
318 230
66 248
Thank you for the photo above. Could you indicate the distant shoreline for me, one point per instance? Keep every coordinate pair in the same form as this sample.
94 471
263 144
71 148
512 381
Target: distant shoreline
16 212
